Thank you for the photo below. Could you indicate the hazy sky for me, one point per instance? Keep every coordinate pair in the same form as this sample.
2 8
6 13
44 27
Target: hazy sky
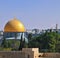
41 14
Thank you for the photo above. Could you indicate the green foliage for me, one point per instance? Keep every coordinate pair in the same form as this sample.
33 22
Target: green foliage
9 43
4 43
46 42
29 39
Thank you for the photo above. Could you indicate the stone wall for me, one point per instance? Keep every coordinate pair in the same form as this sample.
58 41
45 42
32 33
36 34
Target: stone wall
12 54
28 53
25 53
50 55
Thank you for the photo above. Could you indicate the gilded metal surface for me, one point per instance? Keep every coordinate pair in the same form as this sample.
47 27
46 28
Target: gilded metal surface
14 26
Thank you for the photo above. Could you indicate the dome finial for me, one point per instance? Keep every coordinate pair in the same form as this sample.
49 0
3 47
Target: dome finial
15 18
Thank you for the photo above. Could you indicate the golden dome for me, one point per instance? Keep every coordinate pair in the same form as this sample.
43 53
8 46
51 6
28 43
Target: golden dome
14 26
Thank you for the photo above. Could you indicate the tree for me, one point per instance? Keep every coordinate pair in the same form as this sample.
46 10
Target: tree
49 42
45 41
21 43
9 44
4 43
29 39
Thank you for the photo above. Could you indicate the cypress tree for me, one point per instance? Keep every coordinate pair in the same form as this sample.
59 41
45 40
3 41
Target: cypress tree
20 46
23 44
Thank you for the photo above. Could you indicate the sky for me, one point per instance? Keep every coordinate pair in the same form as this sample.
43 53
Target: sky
39 14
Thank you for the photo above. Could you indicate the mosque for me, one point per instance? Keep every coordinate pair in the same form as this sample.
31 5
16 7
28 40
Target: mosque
13 29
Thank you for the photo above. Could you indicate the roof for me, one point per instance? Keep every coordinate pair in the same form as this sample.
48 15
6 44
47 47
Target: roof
14 25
